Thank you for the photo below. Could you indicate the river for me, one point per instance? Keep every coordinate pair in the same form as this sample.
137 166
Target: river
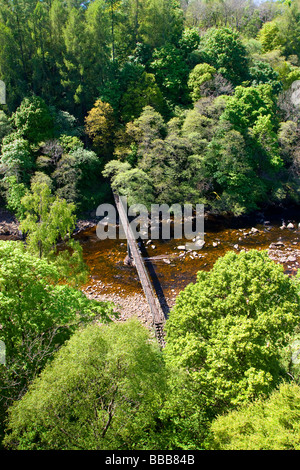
172 269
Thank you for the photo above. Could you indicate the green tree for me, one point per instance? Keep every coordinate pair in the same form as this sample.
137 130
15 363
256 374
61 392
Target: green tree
162 23
269 36
5 125
47 221
37 314
247 104
33 120
171 72
103 390
200 74
262 72
14 193
282 32
139 94
267 424
227 329
223 49
100 127
16 157
235 187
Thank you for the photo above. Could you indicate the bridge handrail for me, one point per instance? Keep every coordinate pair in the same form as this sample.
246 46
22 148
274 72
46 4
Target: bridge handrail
156 310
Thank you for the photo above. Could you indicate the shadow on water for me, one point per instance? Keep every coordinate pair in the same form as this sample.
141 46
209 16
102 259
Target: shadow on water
171 269
155 281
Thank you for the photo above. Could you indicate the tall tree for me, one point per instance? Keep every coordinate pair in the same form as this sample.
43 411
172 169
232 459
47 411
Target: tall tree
228 329
104 390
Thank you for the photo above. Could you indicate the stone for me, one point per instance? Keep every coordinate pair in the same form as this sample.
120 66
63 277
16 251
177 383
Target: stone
276 244
181 247
200 243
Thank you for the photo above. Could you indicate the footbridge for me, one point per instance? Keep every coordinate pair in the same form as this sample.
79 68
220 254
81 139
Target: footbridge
158 316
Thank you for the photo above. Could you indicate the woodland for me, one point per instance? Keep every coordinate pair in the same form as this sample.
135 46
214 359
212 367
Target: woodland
164 102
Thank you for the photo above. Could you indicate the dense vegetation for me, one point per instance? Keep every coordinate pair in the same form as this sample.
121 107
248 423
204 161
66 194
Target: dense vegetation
230 342
152 92
166 102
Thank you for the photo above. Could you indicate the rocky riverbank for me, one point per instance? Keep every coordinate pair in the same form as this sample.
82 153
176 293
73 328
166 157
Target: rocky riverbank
174 265
9 226
127 306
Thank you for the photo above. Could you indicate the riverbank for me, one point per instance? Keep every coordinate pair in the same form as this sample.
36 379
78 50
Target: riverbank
9 225
171 266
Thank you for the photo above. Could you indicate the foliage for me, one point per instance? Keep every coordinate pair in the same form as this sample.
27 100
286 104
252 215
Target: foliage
262 72
16 158
139 94
33 120
247 104
200 74
270 424
100 126
37 315
223 49
47 221
5 126
14 193
171 72
228 328
102 391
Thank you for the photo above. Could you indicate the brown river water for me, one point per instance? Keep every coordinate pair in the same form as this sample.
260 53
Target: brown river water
171 269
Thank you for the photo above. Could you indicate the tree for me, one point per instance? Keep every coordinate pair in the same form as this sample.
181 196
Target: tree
103 390
171 72
33 120
227 329
262 72
162 23
5 125
282 32
247 104
37 314
228 165
139 94
100 126
16 157
267 424
223 49
14 193
252 112
200 74
269 36
47 221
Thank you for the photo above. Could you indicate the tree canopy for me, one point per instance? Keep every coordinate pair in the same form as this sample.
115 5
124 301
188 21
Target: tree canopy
228 328
120 374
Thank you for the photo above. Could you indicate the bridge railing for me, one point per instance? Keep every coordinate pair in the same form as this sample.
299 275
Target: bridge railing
153 302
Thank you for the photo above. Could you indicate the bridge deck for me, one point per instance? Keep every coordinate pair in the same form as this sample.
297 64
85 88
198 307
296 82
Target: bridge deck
158 316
